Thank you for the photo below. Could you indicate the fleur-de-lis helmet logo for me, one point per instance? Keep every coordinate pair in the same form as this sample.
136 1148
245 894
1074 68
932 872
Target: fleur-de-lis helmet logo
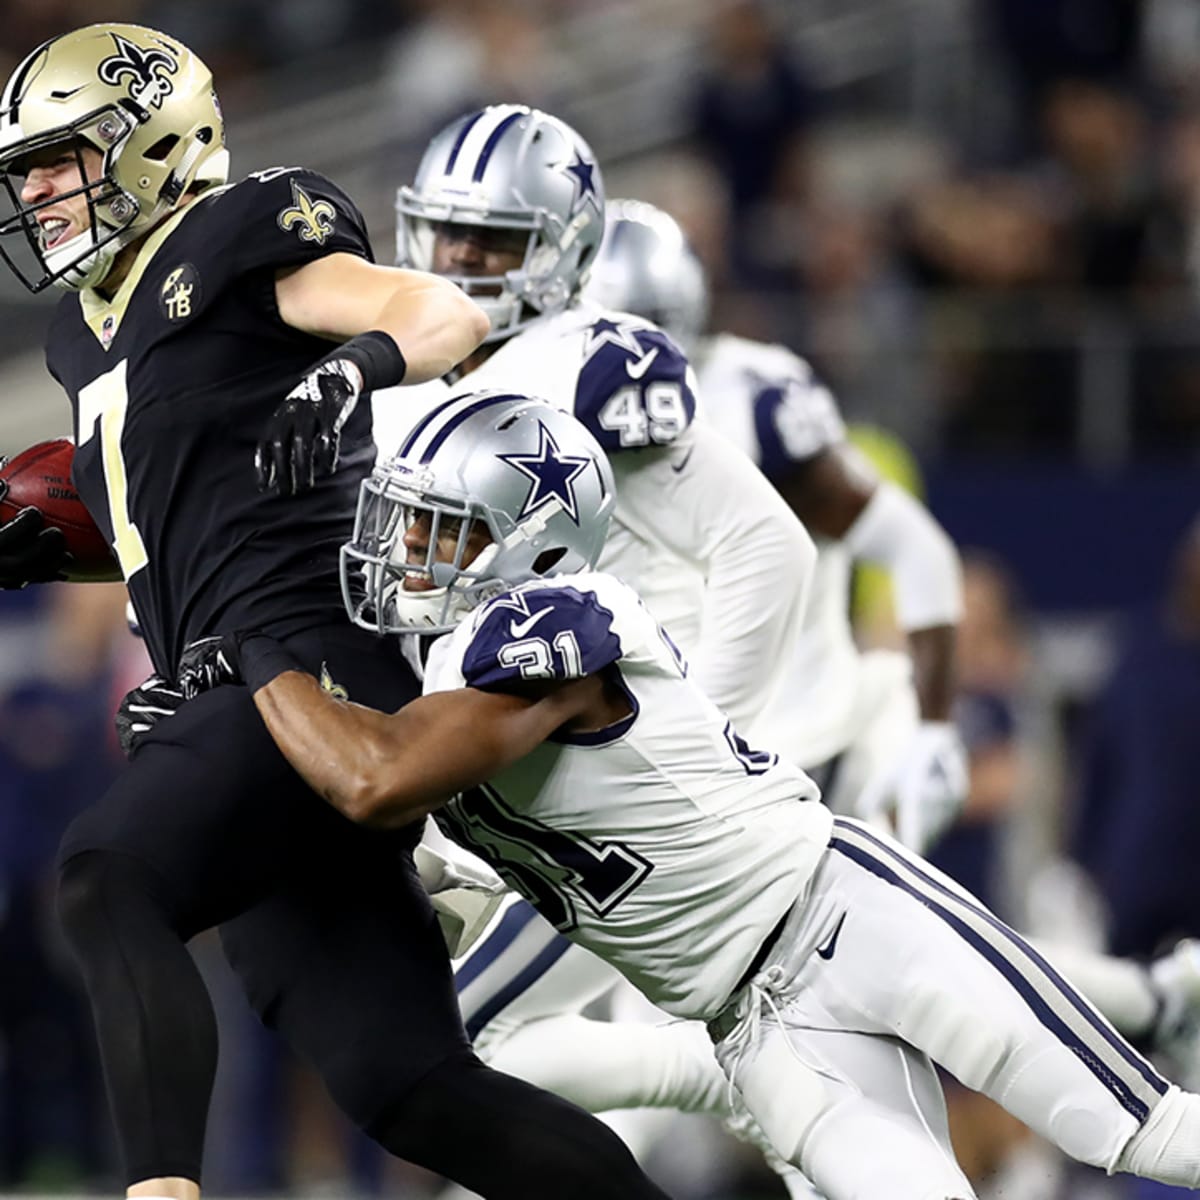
149 71
313 219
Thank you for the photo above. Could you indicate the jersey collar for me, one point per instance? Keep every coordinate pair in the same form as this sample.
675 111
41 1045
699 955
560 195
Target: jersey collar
103 317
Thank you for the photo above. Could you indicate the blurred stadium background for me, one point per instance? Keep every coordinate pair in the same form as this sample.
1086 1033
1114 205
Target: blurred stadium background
980 220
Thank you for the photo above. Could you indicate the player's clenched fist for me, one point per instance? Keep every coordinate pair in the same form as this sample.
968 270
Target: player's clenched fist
248 657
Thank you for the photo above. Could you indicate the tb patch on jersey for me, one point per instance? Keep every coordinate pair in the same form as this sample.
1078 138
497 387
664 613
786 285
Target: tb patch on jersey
179 295
540 633
633 389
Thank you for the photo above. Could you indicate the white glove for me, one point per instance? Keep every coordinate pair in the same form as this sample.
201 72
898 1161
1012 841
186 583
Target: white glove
925 790
464 890
444 866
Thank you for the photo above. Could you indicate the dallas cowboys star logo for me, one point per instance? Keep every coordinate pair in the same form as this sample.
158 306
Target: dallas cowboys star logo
553 474
583 178
604 332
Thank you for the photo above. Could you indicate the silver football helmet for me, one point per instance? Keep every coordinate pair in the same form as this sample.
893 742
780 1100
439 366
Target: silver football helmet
509 470
139 98
509 167
645 266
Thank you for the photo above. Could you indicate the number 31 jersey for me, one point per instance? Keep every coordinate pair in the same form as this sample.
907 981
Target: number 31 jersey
662 843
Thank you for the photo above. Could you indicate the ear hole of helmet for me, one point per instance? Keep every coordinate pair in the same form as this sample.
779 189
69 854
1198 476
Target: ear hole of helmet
548 560
161 149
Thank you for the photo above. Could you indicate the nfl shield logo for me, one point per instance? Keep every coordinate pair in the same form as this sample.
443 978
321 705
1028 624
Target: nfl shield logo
107 330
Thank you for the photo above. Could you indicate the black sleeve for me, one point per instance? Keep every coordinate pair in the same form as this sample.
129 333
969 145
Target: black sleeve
287 216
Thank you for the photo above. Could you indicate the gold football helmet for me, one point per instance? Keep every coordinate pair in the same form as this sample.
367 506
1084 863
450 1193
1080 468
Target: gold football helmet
139 98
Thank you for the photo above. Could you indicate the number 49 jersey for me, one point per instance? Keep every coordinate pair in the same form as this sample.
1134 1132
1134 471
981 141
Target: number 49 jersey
663 843
620 375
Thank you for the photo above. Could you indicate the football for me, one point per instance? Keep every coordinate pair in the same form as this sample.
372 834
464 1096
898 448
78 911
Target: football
41 477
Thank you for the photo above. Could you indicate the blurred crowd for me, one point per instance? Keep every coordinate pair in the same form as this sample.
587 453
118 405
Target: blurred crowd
979 217
998 262
1015 273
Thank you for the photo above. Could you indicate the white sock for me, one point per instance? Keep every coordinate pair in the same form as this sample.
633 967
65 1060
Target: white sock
1167 1146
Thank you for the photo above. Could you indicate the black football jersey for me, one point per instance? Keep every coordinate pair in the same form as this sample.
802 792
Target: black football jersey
172 383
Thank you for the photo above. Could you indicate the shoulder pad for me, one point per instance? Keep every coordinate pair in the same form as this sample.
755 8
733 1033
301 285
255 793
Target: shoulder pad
795 418
634 387
543 632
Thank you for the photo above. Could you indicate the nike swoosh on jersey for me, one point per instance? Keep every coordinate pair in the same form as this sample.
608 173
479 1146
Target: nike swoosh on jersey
683 462
521 628
637 369
826 951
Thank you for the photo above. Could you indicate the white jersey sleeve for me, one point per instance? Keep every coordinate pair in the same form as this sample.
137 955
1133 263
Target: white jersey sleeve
767 401
663 843
723 555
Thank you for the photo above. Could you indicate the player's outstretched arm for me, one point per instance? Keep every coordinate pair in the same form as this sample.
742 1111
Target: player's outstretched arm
433 322
394 326
390 769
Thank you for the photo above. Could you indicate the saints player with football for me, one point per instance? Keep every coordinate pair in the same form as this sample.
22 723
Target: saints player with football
219 343
561 736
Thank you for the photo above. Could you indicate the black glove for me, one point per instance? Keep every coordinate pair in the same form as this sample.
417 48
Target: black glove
208 663
250 657
29 552
143 708
302 438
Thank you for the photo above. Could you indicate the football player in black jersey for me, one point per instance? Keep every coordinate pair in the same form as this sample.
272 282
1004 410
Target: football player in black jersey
218 344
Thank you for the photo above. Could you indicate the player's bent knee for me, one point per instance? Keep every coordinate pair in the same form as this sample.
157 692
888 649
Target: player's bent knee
443 1103
98 892
371 1088
527 1144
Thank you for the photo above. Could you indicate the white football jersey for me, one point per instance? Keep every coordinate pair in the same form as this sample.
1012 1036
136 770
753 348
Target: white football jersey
766 400
620 375
697 530
664 843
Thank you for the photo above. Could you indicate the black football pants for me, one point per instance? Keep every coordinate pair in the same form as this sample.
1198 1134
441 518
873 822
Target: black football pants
332 936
